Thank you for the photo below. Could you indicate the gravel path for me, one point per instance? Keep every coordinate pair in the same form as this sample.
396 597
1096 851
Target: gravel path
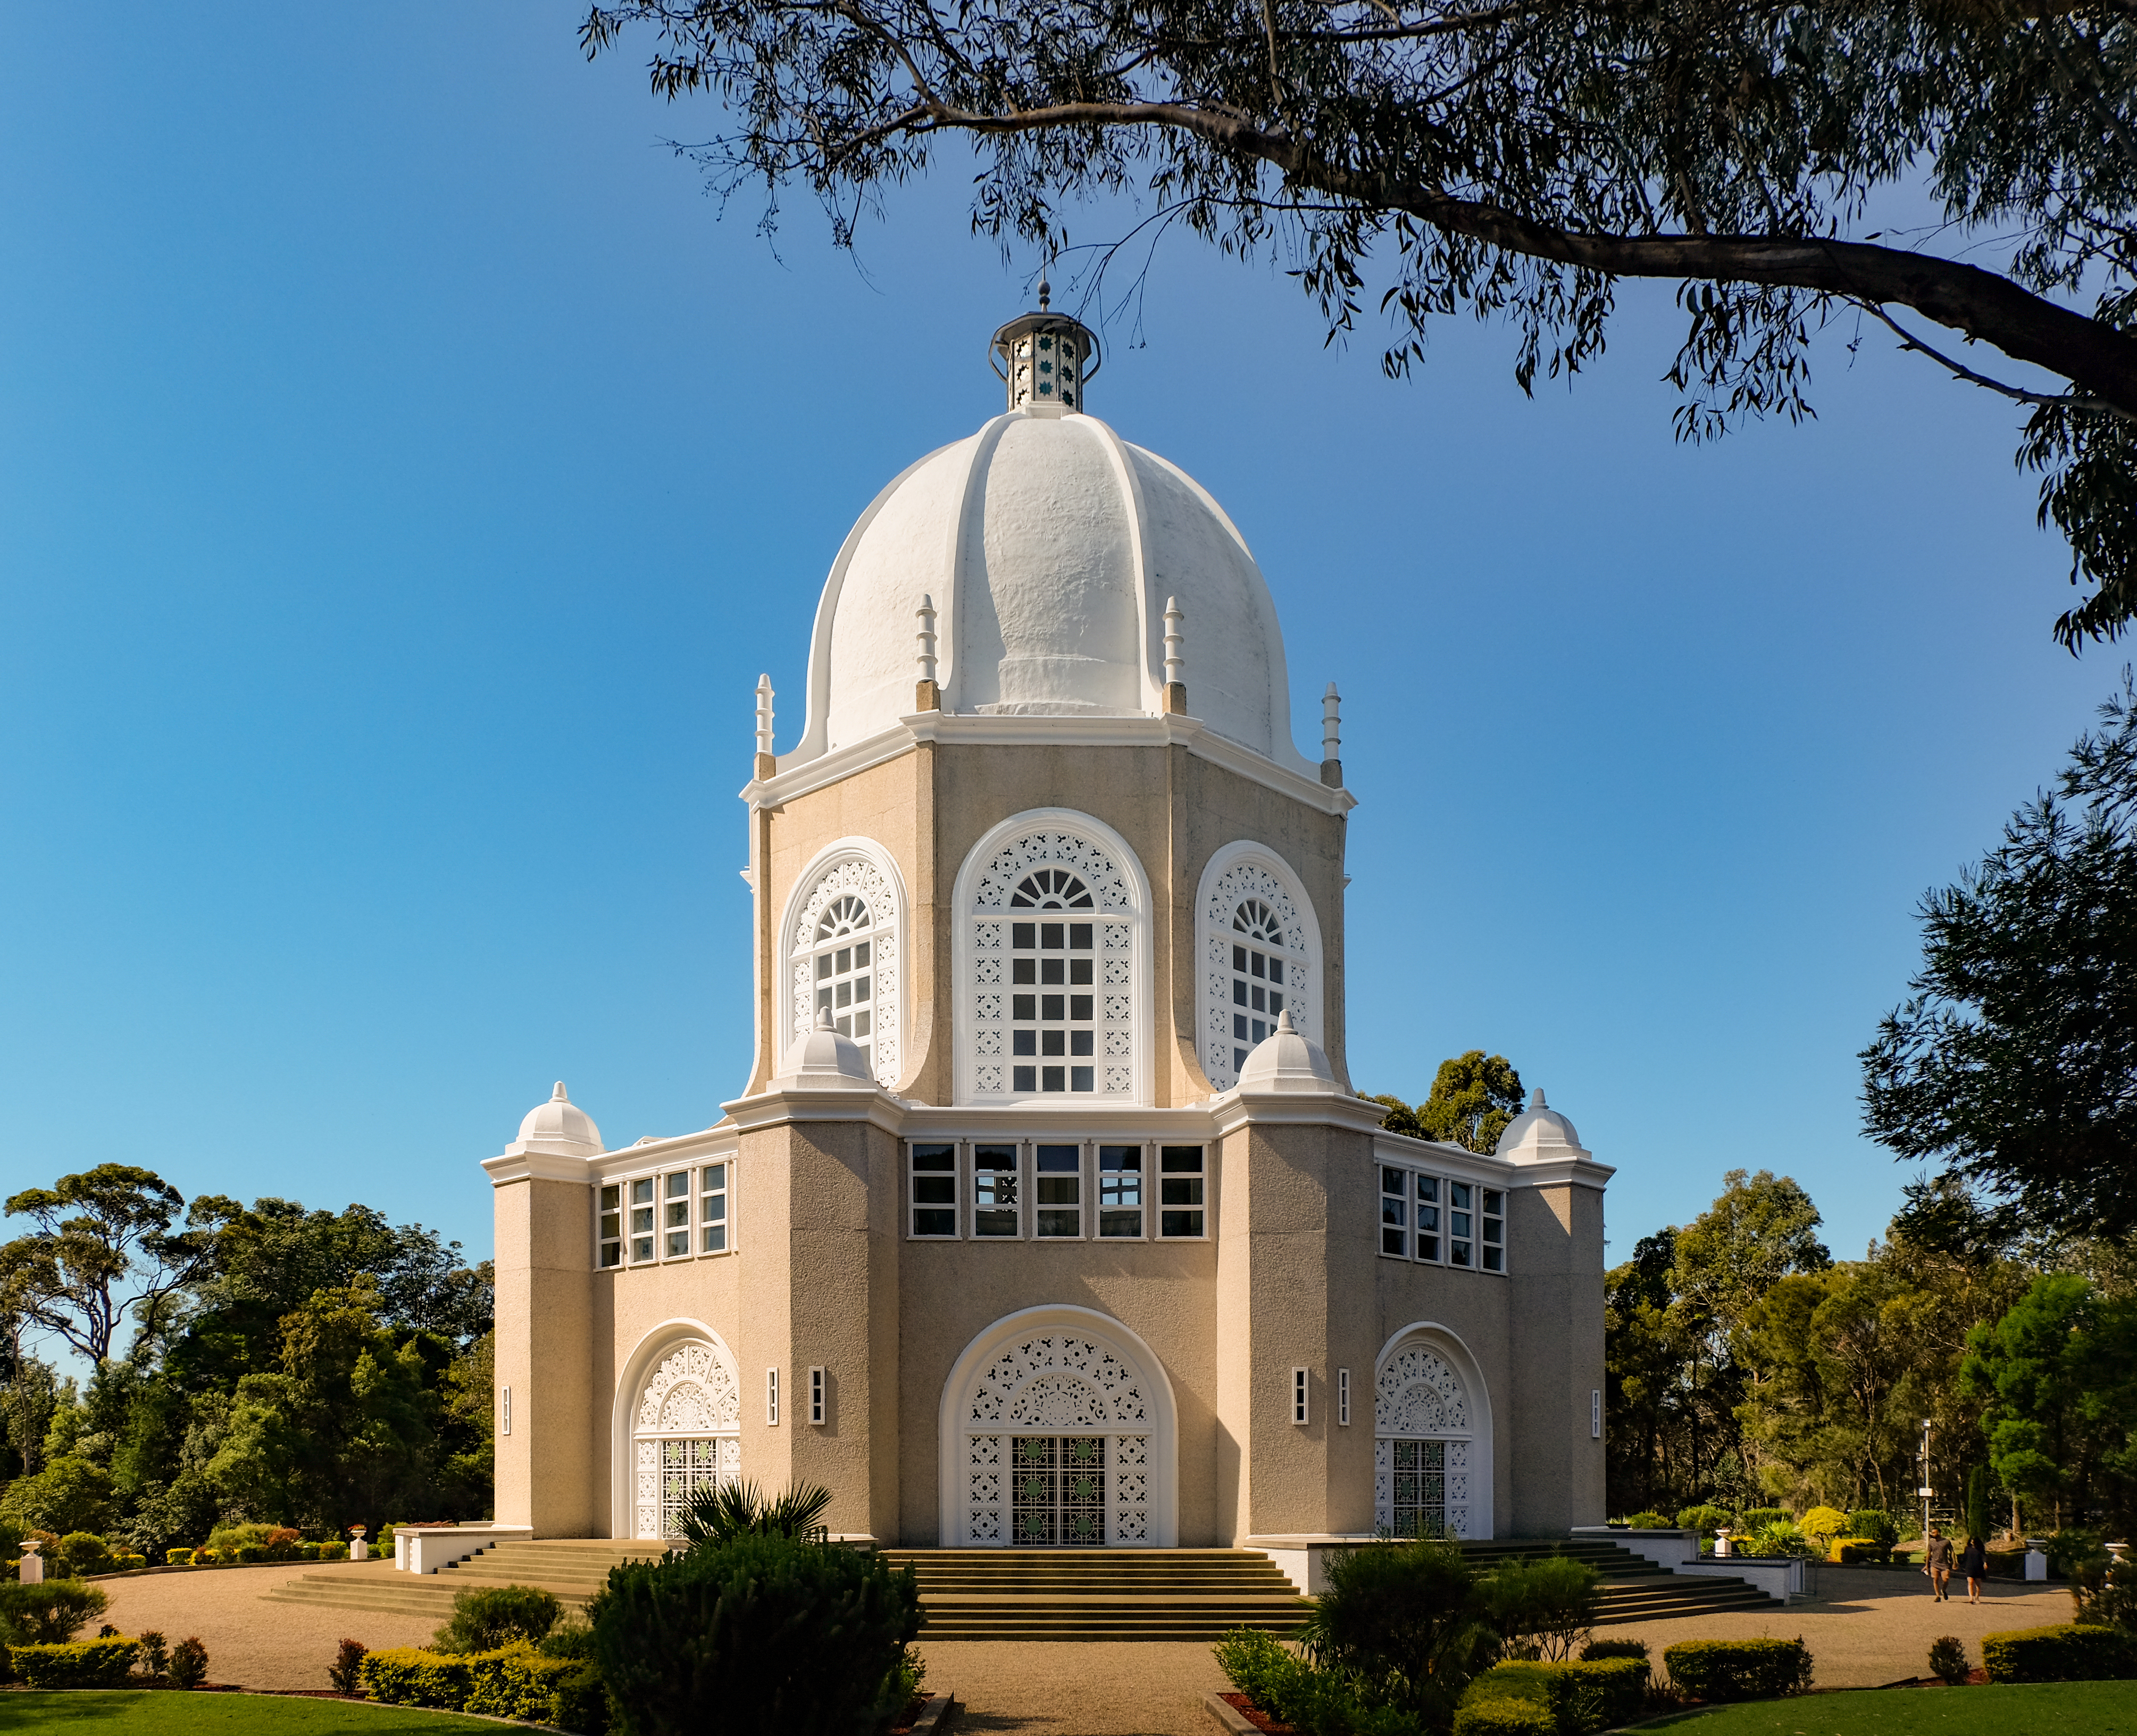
1866 1628
251 1642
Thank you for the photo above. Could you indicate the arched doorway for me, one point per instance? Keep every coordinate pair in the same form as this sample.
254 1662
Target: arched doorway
1057 1431
679 1417
1432 1438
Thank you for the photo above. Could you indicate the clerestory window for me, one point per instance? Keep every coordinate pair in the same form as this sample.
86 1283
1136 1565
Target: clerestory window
1261 969
843 967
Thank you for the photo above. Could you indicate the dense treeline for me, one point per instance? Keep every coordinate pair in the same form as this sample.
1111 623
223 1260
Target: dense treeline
266 1365
1746 1366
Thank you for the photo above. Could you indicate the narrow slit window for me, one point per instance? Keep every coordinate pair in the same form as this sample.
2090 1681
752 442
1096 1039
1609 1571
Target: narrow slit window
1298 1391
1428 1217
1395 1212
713 1209
1120 1191
611 1227
772 1398
1460 1235
994 1191
934 1190
675 1215
1342 1397
1179 1200
816 1398
1493 1218
644 1238
1059 1179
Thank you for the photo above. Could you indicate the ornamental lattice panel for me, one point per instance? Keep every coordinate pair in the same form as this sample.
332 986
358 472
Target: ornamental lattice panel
856 877
1242 880
1113 912
1058 1384
685 1436
1419 1400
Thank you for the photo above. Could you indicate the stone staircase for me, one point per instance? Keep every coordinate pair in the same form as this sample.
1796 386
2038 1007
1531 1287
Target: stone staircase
1099 1594
573 1569
1634 1589
1033 1594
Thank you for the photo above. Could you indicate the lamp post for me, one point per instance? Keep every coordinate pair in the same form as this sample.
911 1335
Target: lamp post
1923 1491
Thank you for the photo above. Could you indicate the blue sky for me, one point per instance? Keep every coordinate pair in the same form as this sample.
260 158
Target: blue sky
406 472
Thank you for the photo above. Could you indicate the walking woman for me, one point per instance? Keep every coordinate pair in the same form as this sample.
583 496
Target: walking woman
1973 1563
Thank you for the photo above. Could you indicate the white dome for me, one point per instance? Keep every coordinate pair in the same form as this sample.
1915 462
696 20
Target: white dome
826 1059
1284 1060
558 1125
1539 1132
1048 547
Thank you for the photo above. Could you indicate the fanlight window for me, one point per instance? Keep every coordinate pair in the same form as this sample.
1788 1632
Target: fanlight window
1261 967
1050 889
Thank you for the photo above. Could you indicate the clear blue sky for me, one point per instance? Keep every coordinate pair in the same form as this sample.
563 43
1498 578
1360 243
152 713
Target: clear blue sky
406 472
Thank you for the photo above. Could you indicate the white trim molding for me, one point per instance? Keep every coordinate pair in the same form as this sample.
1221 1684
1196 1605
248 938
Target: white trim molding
1060 1370
856 868
1119 909
1240 871
1467 1428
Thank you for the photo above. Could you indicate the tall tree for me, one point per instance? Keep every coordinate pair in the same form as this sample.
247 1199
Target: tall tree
2013 1062
105 1246
1474 1097
1520 159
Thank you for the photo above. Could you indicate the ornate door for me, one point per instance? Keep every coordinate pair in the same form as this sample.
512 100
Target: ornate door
686 1436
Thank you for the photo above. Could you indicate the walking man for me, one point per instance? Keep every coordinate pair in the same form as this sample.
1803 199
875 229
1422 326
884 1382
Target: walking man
1936 1562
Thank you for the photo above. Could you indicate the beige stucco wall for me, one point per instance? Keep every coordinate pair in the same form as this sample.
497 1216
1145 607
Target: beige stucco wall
546 1470
1554 1240
928 807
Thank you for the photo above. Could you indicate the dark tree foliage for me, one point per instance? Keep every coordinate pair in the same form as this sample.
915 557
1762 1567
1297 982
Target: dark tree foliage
1520 159
1473 1096
2013 1062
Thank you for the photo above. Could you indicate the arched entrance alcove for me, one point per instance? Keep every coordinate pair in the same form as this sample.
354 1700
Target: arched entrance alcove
676 1427
1058 1429
1432 1435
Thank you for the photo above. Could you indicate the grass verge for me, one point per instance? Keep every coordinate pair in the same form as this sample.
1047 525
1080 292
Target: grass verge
122 1714
2041 1708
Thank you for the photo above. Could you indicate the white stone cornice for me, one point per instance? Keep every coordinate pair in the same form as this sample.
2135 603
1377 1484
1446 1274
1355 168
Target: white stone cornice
790 1103
1354 1114
1139 729
1447 1158
1579 1172
510 1166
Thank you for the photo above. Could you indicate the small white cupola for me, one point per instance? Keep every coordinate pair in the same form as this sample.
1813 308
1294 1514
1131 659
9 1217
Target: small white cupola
1540 1134
558 1127
825 1060
1286 1061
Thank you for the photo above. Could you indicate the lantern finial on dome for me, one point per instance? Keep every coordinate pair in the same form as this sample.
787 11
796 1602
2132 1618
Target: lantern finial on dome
1045 357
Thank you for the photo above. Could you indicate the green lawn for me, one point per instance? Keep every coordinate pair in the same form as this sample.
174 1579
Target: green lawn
2046 1709
119 1714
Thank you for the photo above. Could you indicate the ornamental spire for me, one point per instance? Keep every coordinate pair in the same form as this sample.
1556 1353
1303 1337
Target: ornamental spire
1045 357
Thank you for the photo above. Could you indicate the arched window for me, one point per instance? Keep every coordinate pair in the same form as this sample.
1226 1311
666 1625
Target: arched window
843 952
1053 962
1261 953
1432 1444
685 1436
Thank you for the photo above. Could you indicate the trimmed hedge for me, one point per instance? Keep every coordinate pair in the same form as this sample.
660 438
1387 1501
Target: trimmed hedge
1718 1671
2064 1653
1576 1699
1504 1717
178 1558
79 1664
1847 1550
514 1681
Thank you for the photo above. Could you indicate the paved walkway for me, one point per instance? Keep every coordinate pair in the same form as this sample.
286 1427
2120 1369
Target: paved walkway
1866 1628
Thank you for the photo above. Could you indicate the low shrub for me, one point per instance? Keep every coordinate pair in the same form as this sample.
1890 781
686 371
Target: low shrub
514 1681
1757 1519
332 1551
1780 1538
206 1558
485 1618
249 1552
1652 1522
126 1564
1576 1698
2067 1652
277 1542
1949 1662
1705 1520
49 1614
155 1654
1729 1670
80 1552
1849 1550
188 1664
179 1557
1290 1689
568 1639
779 1631
580 1703
346 1671
1548 1603
1596 1650
1874 1523
76 1664
308 1552
1504 1717
1825 1523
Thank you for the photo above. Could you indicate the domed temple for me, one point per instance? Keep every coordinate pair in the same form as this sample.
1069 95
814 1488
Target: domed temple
1049 1215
